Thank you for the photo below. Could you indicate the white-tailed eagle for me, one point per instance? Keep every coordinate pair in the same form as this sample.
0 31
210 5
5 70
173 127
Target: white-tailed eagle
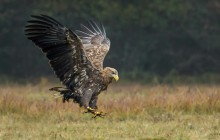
76 58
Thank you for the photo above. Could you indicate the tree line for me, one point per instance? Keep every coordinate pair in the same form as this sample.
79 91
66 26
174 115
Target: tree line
153 37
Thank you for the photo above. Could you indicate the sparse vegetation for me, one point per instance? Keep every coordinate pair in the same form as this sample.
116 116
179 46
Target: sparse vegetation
134 112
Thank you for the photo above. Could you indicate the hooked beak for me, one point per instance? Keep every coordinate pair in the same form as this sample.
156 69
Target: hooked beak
116 77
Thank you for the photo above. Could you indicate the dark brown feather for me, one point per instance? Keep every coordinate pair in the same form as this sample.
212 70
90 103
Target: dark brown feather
62 47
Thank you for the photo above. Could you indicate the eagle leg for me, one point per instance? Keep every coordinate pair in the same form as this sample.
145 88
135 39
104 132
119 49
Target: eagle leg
89 102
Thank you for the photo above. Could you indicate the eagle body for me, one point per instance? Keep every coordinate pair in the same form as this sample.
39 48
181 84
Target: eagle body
76 58
87 94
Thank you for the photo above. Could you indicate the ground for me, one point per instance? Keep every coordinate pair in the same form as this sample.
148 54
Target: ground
135 111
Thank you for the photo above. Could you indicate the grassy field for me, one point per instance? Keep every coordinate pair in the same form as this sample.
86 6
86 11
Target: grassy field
135 111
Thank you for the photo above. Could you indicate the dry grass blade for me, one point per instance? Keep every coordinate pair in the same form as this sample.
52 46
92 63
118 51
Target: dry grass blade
134 112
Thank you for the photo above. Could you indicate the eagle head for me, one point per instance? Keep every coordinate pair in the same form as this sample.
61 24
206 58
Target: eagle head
110 74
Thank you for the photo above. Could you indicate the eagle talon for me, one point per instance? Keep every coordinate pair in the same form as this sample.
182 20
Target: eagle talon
89 110
95 113
99 114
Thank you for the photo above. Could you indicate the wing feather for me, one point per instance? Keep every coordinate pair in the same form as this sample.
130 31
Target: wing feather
62 47
95 43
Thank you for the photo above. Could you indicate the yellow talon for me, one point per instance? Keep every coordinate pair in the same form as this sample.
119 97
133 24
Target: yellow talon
95 113
99 114
90 109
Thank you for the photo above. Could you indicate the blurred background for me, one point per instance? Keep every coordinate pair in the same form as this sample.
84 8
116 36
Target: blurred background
152 41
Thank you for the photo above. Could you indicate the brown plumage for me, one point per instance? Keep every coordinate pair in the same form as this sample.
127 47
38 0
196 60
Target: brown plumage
77 59
95 43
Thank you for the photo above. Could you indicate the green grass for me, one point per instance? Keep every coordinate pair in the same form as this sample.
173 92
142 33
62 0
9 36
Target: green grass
70 126
134 112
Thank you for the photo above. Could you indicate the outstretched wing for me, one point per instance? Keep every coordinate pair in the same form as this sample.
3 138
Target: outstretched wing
95 43
63 49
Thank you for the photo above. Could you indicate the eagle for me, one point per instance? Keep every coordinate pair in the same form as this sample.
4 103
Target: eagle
76 59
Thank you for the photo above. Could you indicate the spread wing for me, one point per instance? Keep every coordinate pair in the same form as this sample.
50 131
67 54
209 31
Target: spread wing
95 43
63 49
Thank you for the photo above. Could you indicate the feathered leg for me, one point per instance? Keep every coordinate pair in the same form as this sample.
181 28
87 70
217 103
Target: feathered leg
89 105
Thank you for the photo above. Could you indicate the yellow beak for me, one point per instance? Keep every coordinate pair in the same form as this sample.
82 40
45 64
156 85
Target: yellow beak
116 77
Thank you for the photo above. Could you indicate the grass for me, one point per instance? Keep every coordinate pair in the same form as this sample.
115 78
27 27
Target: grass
135 111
